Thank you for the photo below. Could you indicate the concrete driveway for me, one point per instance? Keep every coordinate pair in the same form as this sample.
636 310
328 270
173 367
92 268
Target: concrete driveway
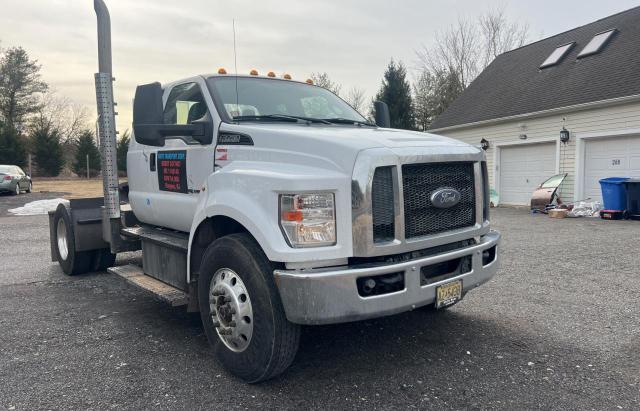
558 328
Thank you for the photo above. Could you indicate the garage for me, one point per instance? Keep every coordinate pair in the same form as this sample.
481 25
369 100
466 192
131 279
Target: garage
609 157
522 168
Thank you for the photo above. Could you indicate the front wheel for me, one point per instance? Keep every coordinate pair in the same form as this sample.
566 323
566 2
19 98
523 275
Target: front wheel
30 187
241 311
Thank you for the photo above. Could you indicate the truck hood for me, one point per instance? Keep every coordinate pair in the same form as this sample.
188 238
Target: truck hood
336 144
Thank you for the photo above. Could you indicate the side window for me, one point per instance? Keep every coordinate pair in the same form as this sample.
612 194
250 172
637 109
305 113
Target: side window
185 104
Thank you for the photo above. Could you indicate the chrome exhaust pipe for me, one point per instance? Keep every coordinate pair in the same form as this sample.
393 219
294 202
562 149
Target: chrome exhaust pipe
107 126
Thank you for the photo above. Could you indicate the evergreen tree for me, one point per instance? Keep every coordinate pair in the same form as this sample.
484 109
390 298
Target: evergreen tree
20 86
47 150
396 92
86 145
12 149
122 148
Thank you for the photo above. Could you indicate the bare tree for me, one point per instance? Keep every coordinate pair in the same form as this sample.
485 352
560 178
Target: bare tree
468 46
499 35
356 98
62 114
323 80
432 94
456 49
458 55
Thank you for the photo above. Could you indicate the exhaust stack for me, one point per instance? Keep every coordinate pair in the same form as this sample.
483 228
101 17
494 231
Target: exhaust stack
107 126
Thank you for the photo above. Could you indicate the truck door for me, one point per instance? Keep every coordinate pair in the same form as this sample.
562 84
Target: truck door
177 171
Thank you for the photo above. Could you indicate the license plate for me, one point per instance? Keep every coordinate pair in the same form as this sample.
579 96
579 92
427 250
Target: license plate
448 294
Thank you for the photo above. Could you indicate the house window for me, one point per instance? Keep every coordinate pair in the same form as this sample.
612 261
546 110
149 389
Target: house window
597 43
557 55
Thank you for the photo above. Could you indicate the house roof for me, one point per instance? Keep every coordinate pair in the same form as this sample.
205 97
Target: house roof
513 84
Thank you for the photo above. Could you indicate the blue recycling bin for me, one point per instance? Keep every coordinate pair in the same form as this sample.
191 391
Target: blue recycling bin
614 193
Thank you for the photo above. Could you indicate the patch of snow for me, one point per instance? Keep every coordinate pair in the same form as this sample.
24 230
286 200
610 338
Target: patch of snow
38 207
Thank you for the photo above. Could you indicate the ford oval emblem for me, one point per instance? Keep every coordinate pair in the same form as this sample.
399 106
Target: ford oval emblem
445 197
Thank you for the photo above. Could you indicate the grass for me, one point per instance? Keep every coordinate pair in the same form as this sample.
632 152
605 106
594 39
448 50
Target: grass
71 187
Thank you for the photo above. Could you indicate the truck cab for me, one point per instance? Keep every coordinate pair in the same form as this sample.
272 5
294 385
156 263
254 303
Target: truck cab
267 204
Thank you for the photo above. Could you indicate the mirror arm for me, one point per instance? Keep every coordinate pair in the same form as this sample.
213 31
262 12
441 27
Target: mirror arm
180 130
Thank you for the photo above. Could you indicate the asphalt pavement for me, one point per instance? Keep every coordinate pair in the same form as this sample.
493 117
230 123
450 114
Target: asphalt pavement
558 328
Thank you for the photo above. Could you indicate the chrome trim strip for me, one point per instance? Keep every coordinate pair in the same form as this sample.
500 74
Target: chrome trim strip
477 176
362 218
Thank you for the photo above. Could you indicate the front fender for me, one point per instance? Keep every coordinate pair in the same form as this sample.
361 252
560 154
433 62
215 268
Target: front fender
248 192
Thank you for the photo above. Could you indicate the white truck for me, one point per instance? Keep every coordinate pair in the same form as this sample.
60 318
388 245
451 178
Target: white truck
266 204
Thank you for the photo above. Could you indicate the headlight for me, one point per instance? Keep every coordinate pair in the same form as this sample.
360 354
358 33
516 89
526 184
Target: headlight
308 220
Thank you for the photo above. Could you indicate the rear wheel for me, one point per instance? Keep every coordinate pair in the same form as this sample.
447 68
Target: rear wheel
241 311
71 261
16 191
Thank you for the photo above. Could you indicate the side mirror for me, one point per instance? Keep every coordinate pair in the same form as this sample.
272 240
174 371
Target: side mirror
147 114
148 120
382 114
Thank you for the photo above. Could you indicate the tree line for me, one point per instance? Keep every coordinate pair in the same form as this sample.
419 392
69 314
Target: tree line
35 121
444 70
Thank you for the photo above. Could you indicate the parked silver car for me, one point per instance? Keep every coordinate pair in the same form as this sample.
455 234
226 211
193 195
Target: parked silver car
14 180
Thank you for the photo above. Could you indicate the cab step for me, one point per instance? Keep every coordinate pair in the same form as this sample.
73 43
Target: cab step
162 291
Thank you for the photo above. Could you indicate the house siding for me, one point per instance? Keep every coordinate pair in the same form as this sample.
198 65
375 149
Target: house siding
539 129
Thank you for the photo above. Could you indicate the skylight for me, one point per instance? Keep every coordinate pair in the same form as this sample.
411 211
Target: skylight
557 55
597 43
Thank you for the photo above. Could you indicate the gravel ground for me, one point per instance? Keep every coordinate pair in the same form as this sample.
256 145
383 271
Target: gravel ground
558 328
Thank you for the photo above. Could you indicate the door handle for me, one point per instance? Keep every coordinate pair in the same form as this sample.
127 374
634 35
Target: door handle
152 162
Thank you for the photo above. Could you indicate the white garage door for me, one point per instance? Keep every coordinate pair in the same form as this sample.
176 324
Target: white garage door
609 157
523 168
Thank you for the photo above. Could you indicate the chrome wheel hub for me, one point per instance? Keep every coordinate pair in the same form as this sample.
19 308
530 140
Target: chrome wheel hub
230 308
61 237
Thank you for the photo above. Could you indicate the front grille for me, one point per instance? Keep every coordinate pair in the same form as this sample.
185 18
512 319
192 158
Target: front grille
420 180
382 205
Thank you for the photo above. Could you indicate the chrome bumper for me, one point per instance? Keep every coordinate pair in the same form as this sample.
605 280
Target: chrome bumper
326 296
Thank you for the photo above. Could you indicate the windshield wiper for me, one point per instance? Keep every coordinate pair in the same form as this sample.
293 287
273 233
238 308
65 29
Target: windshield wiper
281 117
340 120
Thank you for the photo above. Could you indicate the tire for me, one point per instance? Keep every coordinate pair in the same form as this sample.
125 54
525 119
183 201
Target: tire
30 188
71 261
16 191
273 341
102 259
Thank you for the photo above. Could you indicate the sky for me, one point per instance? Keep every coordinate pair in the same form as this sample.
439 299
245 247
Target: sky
161 40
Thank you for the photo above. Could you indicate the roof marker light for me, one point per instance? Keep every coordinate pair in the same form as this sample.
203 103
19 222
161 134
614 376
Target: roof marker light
309 81
271 74
221 70
254 72
286 76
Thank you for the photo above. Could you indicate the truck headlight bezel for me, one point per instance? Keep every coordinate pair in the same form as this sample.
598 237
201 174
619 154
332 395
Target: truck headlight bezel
308 219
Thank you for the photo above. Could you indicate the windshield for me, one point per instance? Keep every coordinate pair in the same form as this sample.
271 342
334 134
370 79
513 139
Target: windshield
553 182
262 97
